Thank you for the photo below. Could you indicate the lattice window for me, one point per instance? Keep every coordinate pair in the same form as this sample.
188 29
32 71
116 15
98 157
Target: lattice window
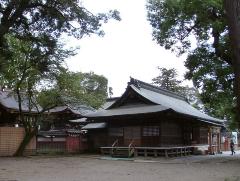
203 135
150 131
115 131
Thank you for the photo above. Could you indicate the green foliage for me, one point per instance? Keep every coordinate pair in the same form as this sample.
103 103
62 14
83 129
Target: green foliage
28 67
31 55
215 80
167 79
23 72
174 21
177 25
43 22
49 98
76 88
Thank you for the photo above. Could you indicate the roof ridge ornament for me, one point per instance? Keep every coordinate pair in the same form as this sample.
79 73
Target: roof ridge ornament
135 82
140 84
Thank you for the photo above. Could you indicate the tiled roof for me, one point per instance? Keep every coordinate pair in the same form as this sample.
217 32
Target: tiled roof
140 84
160 99
9 100
80 110
129 110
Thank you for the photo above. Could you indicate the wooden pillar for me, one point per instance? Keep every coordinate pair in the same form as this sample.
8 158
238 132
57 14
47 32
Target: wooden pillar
155 153
166 153
210 140
135 152
219 141
145 152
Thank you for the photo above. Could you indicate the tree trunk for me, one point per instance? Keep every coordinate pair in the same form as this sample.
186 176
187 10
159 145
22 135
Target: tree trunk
27 138
30 131
232 8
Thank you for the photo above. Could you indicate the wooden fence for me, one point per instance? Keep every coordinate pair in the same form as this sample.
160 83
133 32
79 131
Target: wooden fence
10 139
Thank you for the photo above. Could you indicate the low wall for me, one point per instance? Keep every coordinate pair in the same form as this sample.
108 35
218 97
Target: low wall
10 139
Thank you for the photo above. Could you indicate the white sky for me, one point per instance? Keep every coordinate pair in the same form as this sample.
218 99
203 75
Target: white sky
126 49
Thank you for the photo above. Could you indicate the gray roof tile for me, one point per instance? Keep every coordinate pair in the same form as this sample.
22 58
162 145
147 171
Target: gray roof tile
164 100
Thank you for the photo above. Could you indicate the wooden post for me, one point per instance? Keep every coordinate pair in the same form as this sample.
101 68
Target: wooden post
155 152
135 152
210 140
166 153
145 153
219 141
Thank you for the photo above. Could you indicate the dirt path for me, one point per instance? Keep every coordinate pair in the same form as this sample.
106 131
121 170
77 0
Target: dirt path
85 168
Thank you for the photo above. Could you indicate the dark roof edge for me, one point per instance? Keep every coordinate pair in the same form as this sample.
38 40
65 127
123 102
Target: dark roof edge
112 99
124 94
139 84
216 122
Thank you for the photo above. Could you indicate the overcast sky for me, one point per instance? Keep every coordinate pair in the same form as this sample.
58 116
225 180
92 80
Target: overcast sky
127 49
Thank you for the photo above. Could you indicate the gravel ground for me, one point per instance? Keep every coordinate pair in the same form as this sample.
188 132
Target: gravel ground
93 167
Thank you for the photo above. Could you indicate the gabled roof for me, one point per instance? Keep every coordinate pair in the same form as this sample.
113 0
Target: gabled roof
109 102
158 99
9 101
129 110
59 109
80 110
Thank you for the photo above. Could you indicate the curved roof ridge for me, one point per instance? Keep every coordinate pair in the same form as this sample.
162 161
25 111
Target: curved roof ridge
140 84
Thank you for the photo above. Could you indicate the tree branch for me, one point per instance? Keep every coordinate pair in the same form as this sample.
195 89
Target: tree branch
218 51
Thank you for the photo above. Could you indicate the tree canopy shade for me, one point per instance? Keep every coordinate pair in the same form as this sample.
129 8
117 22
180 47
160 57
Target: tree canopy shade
30 50
22 74
177 24
167 79
27 69
76 89
43 21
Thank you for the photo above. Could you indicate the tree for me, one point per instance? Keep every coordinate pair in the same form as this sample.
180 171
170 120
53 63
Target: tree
215 81
233 16
177 24
30 50
23 73
167 79
110 92
43 21
76 89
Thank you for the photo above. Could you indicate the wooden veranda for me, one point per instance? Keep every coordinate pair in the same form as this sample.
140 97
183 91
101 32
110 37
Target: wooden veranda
148 151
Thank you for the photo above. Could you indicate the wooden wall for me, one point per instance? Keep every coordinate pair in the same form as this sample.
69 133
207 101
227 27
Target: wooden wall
158 133
10 139
171 133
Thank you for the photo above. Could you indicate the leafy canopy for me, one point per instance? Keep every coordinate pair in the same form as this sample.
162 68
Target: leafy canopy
76 89
168 79
198 28
43 21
